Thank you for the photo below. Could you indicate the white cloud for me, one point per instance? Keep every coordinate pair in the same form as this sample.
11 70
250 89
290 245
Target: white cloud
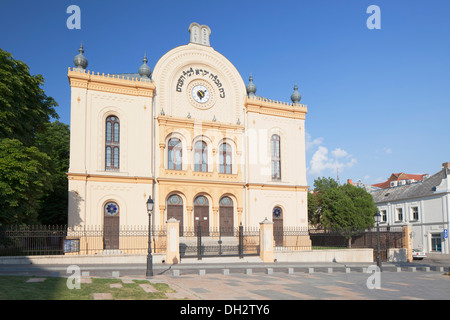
323 163
310 144
339 153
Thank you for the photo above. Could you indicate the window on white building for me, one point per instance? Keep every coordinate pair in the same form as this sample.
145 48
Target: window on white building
383 216
399 214
415 213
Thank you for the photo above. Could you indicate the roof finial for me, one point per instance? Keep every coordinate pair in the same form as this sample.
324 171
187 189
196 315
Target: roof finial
296 96
80 61
251 88
144 69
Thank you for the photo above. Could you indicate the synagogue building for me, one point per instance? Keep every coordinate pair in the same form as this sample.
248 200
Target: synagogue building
190 133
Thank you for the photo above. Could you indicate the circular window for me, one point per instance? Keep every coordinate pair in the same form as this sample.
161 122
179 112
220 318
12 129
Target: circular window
111 209
277 212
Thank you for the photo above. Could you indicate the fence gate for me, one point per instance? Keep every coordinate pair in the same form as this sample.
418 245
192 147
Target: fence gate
221 242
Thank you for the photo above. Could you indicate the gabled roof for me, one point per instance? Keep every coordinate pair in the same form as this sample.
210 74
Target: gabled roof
409 191
398 177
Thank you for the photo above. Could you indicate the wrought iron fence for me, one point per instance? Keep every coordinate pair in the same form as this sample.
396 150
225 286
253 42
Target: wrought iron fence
216 242
195 242
58 240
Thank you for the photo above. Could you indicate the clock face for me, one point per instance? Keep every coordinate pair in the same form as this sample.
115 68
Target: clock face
200 94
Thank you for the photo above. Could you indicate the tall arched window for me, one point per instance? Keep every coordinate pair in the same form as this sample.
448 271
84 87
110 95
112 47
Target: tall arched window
225 158
200 156
174 154
276 157
112 144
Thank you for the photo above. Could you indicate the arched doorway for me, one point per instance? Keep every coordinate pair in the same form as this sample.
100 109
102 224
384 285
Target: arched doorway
226 216
277 216
175 210
201 214
111 224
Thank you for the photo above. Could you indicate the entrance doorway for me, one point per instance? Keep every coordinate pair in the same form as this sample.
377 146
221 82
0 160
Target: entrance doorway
277 216
111 226
201 214
175 210
226 216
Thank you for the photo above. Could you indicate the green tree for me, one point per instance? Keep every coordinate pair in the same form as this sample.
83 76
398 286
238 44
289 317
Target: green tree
27 173
23 180
346 209
315 200
54 140
24 106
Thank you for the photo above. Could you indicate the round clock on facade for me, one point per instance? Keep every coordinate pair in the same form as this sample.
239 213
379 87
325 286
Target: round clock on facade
200 93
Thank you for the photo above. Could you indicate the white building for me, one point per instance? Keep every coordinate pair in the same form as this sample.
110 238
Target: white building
423 205
190 134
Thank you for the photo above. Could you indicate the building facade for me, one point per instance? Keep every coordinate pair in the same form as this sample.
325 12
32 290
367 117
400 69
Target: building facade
421 204
190 134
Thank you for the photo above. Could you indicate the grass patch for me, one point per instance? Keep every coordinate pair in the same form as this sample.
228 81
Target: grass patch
17 288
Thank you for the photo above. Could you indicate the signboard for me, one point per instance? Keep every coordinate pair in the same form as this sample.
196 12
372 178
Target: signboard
71 245
445 233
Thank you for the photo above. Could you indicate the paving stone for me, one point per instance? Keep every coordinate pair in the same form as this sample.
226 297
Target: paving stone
34 280
102 296
147 287
116 285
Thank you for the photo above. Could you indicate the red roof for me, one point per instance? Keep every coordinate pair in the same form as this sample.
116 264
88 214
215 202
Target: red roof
398 177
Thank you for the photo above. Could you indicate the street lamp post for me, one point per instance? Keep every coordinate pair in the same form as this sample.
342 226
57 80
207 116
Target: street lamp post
149 254
377 218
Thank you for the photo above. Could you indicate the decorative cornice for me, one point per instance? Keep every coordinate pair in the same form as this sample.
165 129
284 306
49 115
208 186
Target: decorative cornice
110 83
275 108
188 123
276 187
108 178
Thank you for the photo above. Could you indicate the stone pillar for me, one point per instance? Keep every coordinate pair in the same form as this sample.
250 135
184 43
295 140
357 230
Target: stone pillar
266 241
173 241
407 243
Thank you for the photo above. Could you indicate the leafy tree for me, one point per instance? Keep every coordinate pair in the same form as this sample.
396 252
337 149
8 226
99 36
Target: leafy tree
54 140
29 170
24 106
23 180
346 209
315 200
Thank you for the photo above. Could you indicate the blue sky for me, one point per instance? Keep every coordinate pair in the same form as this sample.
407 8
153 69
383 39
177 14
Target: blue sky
378 100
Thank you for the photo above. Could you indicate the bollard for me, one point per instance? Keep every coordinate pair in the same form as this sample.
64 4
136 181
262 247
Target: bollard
413 269
176 273
269 271
202 272
399 269
226 272
248 271
330 270
290 270
347 270
310 270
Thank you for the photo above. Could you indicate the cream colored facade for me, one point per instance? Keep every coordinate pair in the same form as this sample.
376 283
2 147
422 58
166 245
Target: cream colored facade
194 95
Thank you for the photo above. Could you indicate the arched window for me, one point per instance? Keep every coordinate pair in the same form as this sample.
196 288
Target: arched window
200 156
225 158
112 144
276 157
174 154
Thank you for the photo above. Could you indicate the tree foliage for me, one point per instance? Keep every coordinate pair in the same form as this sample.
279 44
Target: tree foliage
33 151
346 209
24 106
23 180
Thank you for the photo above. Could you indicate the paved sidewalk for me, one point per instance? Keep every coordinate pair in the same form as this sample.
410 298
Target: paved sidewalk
414 285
